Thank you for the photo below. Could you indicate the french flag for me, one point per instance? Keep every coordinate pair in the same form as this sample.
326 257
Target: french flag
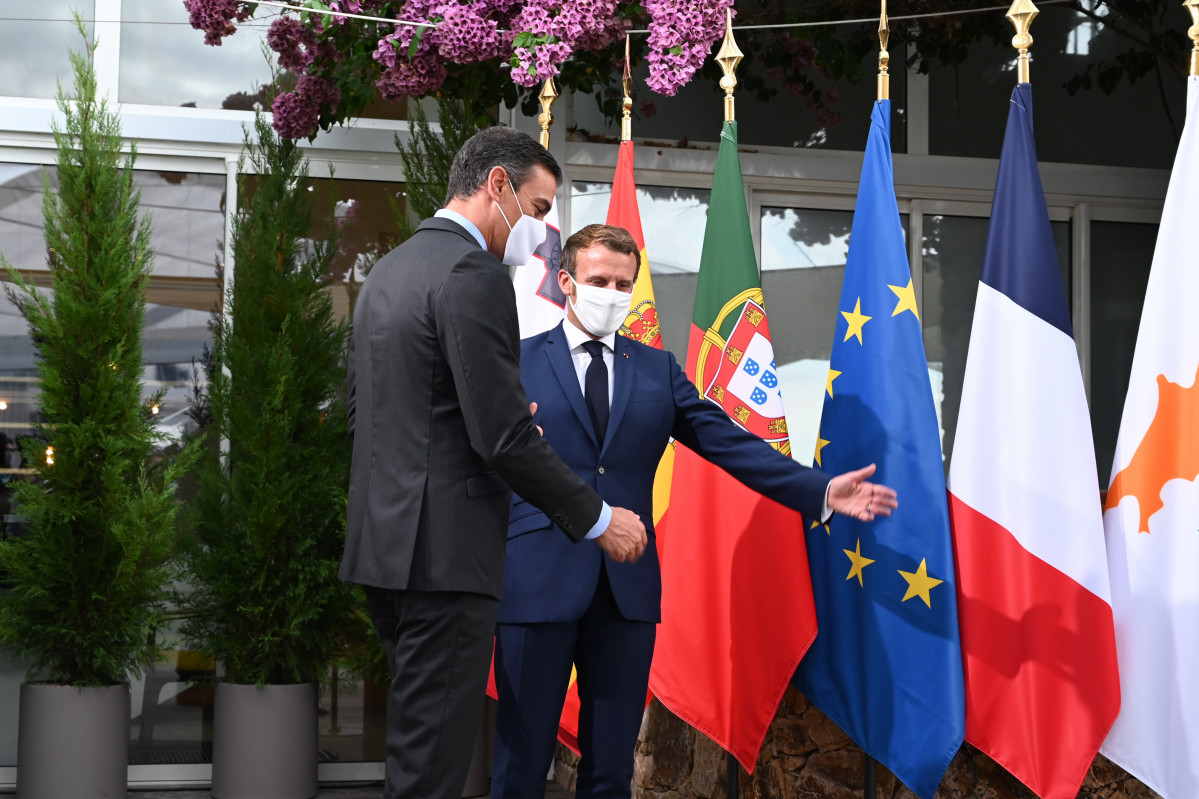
1034 605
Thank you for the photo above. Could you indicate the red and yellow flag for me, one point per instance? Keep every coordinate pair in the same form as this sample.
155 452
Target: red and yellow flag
641 325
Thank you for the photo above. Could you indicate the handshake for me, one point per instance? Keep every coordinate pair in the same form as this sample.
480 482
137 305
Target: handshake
625 538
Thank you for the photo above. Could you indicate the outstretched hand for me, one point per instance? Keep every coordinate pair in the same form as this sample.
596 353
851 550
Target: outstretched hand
851 495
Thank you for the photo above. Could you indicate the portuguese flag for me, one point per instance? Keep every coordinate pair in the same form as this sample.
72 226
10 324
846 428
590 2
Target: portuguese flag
737 607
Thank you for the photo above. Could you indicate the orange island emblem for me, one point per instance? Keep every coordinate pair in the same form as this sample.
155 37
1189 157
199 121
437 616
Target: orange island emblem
1169 451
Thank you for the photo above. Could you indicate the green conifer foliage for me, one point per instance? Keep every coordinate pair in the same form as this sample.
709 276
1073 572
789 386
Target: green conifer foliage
86 588
270 508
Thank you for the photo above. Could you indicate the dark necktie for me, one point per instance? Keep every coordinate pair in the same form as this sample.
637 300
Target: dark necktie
595 388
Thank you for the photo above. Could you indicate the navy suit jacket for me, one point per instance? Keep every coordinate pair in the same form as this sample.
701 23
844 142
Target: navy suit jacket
549 578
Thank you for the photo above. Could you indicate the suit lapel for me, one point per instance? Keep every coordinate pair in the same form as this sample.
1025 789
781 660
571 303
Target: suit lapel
622 388
558 352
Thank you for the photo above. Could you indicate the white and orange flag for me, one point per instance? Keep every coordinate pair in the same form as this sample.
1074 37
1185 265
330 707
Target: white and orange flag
1152 512
641 325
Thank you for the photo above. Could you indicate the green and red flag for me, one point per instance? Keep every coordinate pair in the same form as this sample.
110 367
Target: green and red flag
737 606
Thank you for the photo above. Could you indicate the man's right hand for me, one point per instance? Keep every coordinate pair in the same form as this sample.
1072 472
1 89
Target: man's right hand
625 539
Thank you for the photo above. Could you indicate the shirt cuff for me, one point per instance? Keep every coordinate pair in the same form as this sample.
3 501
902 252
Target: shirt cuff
826 512
605 519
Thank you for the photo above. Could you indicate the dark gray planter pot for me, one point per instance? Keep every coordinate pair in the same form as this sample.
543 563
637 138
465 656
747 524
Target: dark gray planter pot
264 743
73 742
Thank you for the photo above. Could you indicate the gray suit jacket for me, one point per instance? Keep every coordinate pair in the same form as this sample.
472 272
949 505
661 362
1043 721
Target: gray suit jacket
441 424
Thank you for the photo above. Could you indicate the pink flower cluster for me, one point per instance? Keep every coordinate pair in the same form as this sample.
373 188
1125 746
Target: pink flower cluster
298 112
466 34
403 77
216 17
681 35
292 42
536 36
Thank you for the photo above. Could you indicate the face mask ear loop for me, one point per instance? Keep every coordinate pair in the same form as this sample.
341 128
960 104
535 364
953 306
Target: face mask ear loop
518 205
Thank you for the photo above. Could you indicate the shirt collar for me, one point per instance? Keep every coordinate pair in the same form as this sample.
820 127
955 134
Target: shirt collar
454 216
575 338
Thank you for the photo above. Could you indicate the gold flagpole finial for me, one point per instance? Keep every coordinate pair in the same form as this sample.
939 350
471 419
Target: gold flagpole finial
1193 32
729 57
1021 15
546 118
884 58
626 119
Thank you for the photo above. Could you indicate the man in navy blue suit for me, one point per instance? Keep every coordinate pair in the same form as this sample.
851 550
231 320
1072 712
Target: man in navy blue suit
609 406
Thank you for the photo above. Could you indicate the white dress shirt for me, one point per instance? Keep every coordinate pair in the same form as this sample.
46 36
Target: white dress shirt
576 338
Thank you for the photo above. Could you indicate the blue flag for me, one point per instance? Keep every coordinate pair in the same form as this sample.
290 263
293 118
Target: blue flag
886 665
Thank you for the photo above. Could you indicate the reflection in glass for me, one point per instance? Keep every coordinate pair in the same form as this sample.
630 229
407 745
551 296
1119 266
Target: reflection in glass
1120 257
968 106
34 42
673 220
187 224
803 264
953 249
164 61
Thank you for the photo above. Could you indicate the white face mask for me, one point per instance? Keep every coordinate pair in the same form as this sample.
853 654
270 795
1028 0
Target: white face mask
601 312
524 237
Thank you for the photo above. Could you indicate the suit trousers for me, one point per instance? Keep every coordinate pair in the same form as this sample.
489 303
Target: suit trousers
532 668
438 647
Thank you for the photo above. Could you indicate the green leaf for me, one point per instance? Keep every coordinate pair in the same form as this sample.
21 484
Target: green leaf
417 35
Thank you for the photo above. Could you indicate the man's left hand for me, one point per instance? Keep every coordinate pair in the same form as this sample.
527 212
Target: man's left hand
851 495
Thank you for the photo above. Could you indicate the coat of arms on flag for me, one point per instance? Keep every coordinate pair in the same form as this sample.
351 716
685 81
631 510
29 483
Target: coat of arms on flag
743 378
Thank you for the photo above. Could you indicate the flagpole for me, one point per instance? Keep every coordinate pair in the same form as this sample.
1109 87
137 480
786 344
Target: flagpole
728 57
884 58
1021 15
546 118
1193 32
870 777
626 117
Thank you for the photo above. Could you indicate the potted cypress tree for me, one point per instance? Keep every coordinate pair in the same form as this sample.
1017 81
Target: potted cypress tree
87 584
269 514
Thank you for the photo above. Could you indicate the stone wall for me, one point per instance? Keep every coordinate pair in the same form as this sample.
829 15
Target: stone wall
806 756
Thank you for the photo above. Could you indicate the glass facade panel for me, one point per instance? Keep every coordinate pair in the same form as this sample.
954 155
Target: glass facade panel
1121 254
803 264
187 219
164 61
34 42
953 249
968 106
784 120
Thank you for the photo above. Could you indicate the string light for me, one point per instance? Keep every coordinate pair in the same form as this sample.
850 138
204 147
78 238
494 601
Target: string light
49 456
3 405
154 409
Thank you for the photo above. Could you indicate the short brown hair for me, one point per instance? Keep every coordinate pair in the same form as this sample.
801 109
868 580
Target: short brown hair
616 239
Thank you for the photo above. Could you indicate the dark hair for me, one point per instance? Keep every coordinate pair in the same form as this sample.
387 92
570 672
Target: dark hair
616 239
516 152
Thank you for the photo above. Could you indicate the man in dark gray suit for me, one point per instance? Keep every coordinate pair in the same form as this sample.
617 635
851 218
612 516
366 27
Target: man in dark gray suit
442 433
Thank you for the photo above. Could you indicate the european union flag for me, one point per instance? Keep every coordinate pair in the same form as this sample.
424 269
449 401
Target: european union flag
886 665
